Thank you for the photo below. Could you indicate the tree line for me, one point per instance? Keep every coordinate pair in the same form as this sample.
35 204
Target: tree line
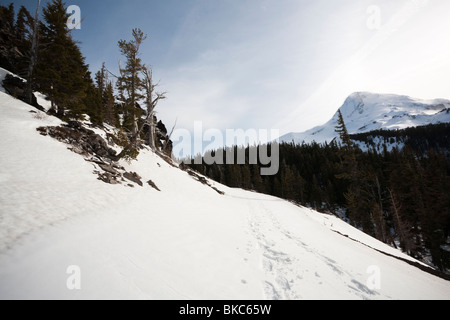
46 55
420 139
401 197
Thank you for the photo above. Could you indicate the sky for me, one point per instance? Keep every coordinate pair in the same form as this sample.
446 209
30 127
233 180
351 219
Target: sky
272 64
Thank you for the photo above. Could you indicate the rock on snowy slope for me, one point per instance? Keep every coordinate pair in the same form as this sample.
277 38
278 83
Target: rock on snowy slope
66 235
365 112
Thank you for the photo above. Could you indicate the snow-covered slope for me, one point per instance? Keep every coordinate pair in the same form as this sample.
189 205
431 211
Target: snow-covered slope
185 242
364 112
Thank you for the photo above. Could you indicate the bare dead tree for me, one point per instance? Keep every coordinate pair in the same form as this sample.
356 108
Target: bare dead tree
169 136
151 100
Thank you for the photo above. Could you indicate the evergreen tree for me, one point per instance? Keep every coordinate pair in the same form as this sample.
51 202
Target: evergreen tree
246 182
257 182
435 219
350 171
15 39
111 116
23 36
106 93
61 71
290 183
402 226
277 188
101 79
33 54
93 102
8 51
341 129
130 82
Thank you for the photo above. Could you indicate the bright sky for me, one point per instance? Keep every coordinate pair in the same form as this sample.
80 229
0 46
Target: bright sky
273 64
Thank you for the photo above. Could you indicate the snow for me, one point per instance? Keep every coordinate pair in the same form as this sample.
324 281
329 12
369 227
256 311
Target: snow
42 101
185 242
365 112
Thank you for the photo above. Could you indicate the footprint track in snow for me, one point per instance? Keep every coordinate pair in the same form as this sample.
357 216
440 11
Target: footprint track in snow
276 264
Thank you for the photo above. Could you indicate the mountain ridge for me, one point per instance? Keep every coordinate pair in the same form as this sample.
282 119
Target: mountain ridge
366 111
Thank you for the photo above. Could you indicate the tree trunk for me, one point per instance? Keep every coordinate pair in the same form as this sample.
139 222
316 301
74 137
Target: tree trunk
152 132
33 58
151 104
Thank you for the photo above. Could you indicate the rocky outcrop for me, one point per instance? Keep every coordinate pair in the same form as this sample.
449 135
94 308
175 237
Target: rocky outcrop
203 180
16 87
95 150
133 177
82 141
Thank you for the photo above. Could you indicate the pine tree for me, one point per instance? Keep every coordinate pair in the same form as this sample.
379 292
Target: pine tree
23 36
378 213
8 52
356 198
341 129
106 93
435 220
93 102
290 183
111 117
33 54
277 188
61 71
257 182
15 39
101 80
246 179
402 226
130 82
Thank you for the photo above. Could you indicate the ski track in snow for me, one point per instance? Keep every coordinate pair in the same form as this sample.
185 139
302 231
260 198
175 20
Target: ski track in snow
275 263
285 270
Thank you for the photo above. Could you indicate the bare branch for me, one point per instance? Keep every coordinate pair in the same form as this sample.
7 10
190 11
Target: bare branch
159 96
173 129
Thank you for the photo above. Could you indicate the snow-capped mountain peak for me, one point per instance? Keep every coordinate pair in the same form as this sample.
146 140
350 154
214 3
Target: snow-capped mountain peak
365 112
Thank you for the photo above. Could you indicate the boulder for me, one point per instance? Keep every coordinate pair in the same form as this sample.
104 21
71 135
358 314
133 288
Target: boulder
153 185
133 177
108 178
16 87
108 168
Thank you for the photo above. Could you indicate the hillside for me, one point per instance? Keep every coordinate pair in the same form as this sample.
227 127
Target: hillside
185 241
365 112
